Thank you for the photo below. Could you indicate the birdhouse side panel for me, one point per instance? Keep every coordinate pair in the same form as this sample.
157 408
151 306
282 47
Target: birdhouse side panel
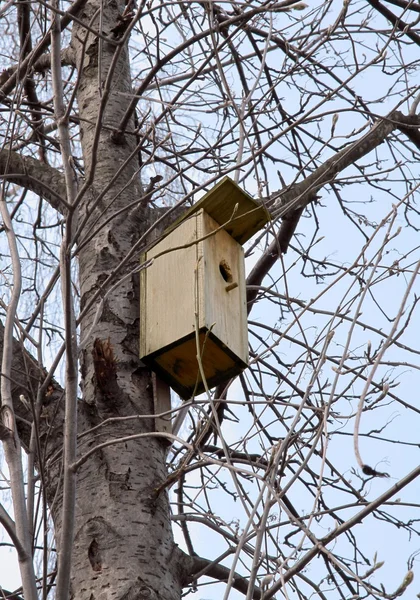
168 302
224 298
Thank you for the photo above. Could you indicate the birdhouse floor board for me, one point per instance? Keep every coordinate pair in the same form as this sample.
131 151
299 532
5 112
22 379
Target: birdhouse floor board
179 367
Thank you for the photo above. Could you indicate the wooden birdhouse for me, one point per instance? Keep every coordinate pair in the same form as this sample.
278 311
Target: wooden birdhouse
193 298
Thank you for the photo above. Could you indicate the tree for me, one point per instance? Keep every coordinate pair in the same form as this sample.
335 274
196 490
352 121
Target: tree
116 116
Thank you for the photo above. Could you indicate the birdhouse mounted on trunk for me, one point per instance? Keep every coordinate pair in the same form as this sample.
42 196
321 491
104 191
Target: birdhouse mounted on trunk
193 299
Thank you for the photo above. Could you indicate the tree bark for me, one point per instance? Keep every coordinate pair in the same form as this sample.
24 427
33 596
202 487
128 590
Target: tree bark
123 545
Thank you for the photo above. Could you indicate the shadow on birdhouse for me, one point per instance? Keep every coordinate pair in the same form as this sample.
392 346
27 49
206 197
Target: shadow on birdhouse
193 298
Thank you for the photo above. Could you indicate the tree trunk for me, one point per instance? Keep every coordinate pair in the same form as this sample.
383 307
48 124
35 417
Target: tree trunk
123 544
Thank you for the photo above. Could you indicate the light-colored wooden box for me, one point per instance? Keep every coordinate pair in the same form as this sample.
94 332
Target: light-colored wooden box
193 297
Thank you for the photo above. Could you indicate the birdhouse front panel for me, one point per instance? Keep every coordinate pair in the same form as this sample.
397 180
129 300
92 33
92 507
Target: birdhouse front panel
168 289
194 290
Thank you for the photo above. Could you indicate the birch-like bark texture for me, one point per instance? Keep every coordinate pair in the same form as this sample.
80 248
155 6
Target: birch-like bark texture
115 491
9 434
116 117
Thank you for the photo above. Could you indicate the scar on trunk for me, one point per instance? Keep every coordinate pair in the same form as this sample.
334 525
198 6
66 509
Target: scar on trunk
95 556
105 365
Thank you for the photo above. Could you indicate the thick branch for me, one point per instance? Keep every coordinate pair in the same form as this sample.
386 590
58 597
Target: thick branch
43 63
9 526
24 23
201 566
35 176
26 64
289 202
405 5
396 21
300 194
27 376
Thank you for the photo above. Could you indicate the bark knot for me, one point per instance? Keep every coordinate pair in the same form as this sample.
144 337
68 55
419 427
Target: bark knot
105 365
94 556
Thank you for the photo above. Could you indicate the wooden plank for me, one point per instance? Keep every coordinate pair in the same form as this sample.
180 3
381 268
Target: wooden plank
225 302
170 290
162 404
179 367
220 203
143 308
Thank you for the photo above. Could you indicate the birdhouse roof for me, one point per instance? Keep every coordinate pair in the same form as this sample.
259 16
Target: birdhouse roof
230 206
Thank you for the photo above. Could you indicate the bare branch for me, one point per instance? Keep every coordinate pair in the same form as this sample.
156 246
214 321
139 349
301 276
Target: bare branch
34 175
8 86
10 437
358 518
204 567
288 202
